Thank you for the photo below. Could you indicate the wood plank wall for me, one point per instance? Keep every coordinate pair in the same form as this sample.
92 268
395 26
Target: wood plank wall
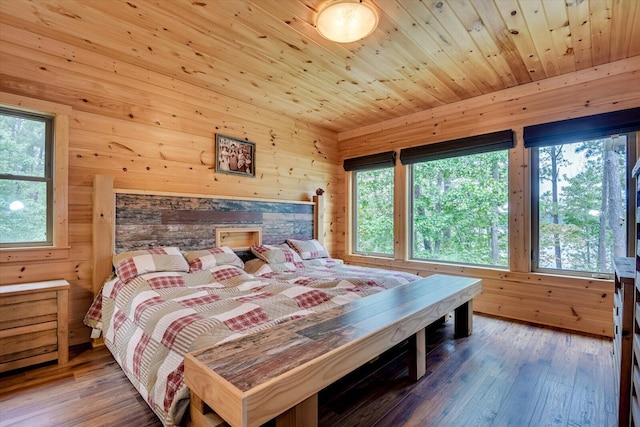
573 303
151 132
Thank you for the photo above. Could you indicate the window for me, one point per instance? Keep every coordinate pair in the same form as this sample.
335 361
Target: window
26 180
581 204
460 209
372 203
581 210
373 211
459 204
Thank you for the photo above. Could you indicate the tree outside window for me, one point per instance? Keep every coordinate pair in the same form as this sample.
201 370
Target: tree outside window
460 209
580 212
26 183
373 211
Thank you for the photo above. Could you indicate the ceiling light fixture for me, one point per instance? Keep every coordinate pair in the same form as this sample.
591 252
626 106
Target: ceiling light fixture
346 21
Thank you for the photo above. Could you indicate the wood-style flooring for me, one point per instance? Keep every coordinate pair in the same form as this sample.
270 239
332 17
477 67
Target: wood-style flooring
505 374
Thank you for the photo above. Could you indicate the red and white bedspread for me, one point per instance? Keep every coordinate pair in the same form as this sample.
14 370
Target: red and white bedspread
328 272
150 322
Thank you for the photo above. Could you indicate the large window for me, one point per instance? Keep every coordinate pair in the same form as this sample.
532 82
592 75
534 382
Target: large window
460 209
580 204
373 211
26 179
460 199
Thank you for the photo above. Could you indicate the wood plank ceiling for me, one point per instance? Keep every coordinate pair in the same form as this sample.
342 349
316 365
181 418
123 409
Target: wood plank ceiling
267 52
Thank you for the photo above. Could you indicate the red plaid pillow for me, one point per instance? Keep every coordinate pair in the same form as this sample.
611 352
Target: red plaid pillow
129 265
206 258
308 249
275 254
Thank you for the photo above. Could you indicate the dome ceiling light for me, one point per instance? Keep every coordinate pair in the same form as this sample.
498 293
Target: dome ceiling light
346 21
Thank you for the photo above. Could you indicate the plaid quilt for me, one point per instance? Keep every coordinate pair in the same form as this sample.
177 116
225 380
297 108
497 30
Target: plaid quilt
150 322
330 272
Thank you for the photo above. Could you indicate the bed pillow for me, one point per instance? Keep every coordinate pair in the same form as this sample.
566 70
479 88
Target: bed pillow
207 258
129 265
308 249
275 254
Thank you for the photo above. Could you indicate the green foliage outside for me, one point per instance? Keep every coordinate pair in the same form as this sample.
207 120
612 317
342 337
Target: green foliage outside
582 205
460 209
374 211
22 154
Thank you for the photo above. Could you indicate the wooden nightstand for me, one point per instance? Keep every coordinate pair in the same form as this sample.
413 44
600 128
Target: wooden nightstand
34 324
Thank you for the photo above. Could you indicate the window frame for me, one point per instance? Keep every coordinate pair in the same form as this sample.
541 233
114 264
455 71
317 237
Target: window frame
59 247
411 230
354 216
534 162
47 178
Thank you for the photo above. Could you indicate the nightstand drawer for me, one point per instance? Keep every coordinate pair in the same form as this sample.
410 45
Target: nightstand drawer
21 310
33 340
33 323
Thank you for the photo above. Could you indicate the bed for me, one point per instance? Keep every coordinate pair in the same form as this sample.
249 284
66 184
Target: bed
161 302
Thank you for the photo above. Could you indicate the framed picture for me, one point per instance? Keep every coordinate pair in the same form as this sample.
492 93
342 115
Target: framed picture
235 156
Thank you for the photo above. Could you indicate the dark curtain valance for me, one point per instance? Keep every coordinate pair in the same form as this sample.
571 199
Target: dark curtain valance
582 128
372 161
494 141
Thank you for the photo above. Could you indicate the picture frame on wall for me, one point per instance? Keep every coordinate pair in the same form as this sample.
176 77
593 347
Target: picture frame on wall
235 156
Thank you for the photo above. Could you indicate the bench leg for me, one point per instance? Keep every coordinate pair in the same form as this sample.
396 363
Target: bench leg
304 414
418 355
463 326
200 415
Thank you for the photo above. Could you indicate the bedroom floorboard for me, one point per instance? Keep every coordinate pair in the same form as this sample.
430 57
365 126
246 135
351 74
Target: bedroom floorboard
506 373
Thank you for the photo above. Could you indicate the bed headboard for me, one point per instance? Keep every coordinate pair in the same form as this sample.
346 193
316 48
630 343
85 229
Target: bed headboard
126 220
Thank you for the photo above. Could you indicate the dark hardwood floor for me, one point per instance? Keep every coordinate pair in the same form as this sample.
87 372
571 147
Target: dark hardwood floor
504 374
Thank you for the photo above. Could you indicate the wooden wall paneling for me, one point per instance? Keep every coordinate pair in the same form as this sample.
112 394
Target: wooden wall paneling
135 92
519 229
503 99
401 212
581 304
160 129
509 308
83 62
102 230
319 218
593 97
41 271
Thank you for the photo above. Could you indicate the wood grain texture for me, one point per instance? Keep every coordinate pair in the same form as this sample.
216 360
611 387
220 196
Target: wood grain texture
145 87
34 323
469 381
268 54
149 132
255 378
582 304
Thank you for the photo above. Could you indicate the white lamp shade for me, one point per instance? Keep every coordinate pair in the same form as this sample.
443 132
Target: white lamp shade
345 21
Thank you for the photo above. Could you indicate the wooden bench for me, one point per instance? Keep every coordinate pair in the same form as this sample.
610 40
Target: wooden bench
277 373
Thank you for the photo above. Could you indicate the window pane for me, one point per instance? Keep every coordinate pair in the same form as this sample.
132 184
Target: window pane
373 203
22 146
23 211
582 205
460 209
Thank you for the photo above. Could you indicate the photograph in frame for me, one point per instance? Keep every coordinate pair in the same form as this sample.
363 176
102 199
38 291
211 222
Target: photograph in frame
235 156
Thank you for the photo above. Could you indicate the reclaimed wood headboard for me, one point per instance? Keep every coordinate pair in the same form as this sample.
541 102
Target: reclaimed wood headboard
126 220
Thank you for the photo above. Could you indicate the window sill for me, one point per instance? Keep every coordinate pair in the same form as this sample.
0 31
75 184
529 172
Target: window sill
12 255
427 267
